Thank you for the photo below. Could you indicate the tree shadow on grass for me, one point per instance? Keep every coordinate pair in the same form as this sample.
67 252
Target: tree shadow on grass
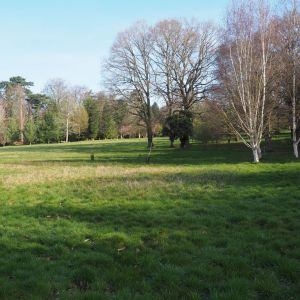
161 246
117 146
129 153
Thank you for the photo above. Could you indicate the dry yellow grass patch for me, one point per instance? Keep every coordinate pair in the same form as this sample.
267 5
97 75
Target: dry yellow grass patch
45 172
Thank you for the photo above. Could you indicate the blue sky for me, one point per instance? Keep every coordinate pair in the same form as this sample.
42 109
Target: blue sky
44 39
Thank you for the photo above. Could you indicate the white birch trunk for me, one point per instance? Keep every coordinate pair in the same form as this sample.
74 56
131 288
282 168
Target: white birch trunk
259 152
294 100
295 147
67 130
250 62
294 118
255 155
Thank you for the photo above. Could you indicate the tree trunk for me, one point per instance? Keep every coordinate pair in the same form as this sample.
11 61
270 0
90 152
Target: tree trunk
294 117
150 141
150 137
184 141
172 139
295 147
67 131
255 155
21 112
259 153
171 143
21 137
187 140
268 140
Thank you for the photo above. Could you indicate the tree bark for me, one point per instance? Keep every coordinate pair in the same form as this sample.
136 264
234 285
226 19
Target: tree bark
21 95
295 147
268 140
259 152
294 62
255 155
171 143
150 136
294 118
21 137
184 141
67 131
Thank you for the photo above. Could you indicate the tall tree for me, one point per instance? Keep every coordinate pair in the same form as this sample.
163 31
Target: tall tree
165 35
130 72
56 89
30 131
78 115
121 114
65 98
14 92
3 124
108 126
92 109
184 57
289 32
79 121
244 69
51 127
36 103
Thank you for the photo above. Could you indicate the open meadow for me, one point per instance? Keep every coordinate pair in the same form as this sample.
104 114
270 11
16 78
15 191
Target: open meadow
199 223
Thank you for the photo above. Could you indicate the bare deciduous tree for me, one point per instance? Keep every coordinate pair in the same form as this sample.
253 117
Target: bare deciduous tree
56 89
165 36
183 60
193 62
130 73
244 69
65 99
3 123
78 115
20 97
16 106
289 31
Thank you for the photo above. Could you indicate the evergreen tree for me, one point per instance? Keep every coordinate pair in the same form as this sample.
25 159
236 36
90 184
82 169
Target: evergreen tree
180 125
108 126
12 132
30 131
120 113
155 111
110 129
51 127
92 109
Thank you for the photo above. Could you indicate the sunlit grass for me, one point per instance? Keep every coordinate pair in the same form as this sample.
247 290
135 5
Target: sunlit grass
200 223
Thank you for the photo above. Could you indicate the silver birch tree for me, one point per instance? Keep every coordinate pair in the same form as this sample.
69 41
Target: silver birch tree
244 67
289 32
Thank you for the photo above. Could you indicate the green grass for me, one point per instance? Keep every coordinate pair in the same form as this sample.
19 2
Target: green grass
200 223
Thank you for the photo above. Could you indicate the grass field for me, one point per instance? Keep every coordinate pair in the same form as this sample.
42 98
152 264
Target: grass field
200 223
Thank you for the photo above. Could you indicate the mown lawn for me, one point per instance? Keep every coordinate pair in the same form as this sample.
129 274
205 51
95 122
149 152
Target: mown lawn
200 223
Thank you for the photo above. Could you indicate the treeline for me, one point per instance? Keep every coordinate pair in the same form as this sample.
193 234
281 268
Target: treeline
64 113
245 74
239 80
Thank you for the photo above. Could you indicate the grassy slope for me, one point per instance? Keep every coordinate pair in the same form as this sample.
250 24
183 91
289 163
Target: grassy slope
202 223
